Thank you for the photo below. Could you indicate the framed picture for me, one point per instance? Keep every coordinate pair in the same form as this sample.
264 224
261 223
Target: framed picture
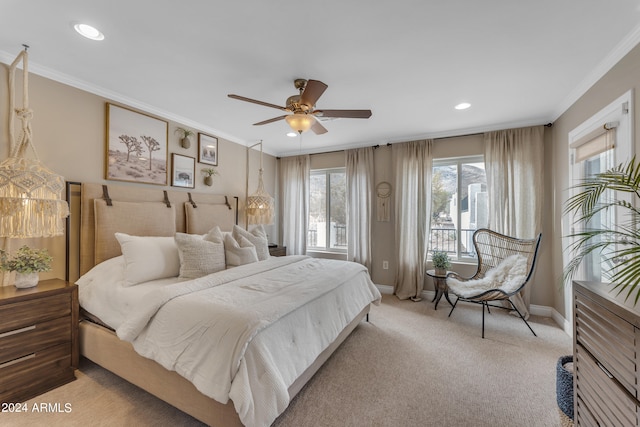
183 170
207 149
136 148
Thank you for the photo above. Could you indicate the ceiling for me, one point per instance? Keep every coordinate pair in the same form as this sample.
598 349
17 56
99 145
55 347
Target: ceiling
518 63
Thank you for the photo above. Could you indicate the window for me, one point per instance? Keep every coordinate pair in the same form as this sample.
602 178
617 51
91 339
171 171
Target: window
459 204
327 210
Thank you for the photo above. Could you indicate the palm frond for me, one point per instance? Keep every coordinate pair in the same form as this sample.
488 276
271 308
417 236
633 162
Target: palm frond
620 244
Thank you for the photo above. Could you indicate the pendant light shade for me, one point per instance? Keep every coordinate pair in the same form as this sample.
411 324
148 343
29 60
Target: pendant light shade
300 122
30 194
260 205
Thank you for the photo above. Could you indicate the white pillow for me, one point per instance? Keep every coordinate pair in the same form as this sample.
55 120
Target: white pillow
200 256
239 252
111 268
257 236
148 258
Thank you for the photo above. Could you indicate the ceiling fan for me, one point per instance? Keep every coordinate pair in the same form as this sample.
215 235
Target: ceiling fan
302 106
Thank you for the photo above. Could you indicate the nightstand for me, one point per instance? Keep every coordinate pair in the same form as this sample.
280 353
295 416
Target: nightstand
277 250
38 339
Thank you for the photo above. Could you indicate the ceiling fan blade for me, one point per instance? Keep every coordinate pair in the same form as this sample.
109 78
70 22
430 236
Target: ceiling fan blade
348 114
255 101
312 92
318 129
275 119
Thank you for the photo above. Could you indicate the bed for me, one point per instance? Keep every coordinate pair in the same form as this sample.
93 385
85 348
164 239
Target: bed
274 321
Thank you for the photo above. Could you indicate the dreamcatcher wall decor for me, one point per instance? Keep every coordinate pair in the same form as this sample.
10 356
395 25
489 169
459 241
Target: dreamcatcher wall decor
383 195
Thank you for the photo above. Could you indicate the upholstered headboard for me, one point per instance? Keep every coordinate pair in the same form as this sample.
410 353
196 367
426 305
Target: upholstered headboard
142 211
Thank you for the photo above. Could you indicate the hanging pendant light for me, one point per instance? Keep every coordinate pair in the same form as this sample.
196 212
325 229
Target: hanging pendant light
260 205
30 194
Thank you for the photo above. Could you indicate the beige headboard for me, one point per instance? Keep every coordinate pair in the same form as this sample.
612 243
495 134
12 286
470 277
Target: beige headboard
144 211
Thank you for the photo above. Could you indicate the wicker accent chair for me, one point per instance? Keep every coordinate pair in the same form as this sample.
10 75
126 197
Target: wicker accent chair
492 248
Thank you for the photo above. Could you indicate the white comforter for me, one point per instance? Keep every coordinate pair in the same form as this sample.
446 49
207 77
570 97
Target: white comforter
247 333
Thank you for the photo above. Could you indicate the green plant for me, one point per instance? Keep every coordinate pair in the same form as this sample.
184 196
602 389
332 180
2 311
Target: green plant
26 260
619 245
185 133
440 260
210 171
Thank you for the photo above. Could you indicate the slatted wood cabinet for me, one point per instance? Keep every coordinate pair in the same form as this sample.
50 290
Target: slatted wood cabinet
38 339
606 355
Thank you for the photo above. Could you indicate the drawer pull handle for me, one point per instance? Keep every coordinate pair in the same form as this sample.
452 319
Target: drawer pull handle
17 331
18 360
603 369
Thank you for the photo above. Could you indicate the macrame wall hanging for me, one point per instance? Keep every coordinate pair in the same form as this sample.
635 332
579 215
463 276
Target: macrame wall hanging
30 194
383 202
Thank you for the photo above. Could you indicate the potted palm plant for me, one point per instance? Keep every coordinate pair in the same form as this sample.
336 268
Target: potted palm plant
27 263
619 244
441 263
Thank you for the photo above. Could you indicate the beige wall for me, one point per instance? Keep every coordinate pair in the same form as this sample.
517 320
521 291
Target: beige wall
69 136
625 75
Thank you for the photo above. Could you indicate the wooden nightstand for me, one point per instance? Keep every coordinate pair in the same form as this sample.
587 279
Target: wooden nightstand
38 339
277 250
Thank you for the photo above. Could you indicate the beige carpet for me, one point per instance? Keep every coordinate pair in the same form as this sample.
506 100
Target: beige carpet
409 366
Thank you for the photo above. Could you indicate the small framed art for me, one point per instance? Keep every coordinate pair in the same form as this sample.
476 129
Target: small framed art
207 149
183 169
136 148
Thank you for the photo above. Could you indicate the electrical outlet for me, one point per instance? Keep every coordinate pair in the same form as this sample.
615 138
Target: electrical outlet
385 265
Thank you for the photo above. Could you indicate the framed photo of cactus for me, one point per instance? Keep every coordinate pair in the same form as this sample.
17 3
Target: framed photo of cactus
136 147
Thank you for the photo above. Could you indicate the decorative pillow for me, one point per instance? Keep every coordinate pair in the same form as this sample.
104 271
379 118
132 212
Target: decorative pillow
199 256
239 252
257 236
148 258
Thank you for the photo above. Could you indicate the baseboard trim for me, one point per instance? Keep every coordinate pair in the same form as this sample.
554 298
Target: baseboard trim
536 310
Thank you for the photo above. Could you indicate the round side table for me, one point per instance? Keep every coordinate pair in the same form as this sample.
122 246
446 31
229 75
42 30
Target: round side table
440 283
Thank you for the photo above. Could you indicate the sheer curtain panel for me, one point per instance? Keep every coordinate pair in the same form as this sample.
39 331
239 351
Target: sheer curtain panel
412 162
514 167
360 188
294 182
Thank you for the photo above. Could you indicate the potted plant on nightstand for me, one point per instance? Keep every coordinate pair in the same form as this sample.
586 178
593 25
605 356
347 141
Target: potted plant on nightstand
441 262
27 263
209 174
185 142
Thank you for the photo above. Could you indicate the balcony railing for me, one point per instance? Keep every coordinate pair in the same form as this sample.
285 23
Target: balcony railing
339 240
446 239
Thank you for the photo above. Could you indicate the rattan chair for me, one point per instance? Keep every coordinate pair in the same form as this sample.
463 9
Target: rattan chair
491 249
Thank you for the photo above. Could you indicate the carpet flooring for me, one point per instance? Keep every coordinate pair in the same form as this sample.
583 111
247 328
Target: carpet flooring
410 365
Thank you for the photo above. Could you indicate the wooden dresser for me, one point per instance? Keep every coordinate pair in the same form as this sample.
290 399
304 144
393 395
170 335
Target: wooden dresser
38 339
606 351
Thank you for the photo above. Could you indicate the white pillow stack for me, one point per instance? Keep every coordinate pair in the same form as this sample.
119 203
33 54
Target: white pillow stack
239 251
257 236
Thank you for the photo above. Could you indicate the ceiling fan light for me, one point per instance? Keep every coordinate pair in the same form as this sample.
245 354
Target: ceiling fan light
300 122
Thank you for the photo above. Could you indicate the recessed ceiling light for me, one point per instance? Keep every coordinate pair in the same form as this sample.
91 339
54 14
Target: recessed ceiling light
462 106
292 134
88 31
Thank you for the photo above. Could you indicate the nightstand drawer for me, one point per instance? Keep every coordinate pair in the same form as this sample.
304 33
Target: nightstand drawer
35 373
27 313
29 339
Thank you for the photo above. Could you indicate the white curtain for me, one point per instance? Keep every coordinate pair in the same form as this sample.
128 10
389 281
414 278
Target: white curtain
412 162
514 168
360 188
294 182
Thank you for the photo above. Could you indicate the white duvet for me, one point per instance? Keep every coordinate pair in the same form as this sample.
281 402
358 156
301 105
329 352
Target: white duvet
247 333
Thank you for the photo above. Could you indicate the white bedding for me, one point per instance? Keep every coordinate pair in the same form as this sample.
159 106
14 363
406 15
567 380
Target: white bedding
239 333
